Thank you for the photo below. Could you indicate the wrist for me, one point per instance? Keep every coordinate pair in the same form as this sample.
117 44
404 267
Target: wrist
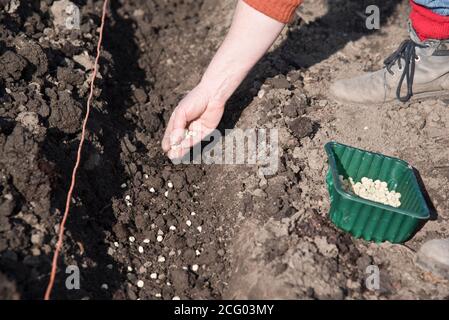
220 82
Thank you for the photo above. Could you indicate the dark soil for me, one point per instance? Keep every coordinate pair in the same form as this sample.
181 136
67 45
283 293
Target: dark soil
43 94
196 231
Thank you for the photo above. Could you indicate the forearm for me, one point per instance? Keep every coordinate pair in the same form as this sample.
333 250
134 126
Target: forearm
249 38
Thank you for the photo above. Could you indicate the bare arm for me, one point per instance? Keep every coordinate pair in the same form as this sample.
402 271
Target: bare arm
250 36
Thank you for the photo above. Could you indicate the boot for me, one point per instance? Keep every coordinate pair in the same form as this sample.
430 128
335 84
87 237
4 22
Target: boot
433 256
418 69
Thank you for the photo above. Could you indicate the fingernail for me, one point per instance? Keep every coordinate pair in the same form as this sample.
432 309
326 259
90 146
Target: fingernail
174 157
176 136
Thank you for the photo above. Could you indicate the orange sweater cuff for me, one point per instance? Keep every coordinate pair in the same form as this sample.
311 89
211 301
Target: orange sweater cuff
281 10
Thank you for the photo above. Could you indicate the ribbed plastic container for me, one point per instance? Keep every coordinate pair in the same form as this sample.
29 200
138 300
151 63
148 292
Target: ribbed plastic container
367 219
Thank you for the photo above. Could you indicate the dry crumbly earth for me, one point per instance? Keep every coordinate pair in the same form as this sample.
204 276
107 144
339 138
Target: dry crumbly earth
260 236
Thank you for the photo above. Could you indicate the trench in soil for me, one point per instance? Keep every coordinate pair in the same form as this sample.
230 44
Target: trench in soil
140 84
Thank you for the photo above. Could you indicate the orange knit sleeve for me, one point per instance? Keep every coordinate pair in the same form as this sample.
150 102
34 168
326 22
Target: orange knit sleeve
281 10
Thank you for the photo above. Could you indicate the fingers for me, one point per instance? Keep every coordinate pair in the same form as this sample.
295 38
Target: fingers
175 131
179 126
166 140
193 136
198 115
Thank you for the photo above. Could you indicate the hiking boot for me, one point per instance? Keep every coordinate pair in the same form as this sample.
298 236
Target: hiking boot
417 69
433 256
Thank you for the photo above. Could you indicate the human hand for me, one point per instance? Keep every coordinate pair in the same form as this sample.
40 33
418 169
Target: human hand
250 36
198 114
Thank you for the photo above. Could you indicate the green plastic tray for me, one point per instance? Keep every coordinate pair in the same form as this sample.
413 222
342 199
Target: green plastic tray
367 219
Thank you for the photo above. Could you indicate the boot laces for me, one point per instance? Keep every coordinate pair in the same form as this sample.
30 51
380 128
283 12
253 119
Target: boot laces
406 53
